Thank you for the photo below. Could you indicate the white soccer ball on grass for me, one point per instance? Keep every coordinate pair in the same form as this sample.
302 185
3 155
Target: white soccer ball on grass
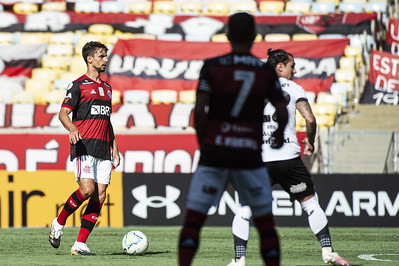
135 243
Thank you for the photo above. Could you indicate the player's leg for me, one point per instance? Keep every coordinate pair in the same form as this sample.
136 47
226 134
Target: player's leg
240 229
261 206
73 202
102 176
206 188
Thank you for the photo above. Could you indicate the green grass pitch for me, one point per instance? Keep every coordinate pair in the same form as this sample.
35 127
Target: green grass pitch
379 247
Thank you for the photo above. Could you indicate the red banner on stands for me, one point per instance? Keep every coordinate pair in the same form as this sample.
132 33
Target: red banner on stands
382 86
150 64
392 40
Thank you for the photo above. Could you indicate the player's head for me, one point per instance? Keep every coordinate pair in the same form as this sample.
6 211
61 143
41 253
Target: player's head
283 63
241 29
97 53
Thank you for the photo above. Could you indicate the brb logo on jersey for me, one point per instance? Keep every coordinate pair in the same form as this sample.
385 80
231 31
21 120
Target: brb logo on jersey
100 110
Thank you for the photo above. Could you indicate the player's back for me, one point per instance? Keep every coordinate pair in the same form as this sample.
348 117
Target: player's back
238 85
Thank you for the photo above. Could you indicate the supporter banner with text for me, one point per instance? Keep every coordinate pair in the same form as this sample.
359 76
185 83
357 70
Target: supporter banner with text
392 39
140 153
33 199
185 24
150 64
382 86
348 201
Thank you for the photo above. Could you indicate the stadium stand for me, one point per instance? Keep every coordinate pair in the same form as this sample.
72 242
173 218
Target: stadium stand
163 96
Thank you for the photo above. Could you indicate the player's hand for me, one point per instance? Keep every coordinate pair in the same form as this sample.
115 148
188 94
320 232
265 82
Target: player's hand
115 158
309 148
74 135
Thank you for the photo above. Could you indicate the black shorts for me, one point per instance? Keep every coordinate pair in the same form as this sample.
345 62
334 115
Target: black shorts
292 176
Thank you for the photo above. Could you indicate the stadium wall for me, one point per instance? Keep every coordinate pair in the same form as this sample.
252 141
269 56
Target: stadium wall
32 199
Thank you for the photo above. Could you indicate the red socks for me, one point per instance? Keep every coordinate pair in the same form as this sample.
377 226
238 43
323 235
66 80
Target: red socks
72 204
269 242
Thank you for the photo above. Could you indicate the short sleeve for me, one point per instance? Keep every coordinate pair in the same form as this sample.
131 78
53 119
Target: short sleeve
72 96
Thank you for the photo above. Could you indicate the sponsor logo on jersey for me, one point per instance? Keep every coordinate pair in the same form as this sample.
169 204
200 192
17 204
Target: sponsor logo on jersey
68 96
100 110
109 94
93 91
87 82
101 91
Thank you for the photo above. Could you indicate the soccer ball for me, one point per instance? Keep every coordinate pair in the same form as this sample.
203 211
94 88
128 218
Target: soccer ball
135 243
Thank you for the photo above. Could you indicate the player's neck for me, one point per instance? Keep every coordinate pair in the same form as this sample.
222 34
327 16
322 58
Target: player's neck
241 48
93 75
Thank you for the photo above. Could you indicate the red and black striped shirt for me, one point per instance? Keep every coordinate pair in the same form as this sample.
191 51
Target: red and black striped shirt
91 107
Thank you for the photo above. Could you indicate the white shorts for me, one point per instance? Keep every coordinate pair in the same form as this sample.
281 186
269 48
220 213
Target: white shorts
87 166
209 183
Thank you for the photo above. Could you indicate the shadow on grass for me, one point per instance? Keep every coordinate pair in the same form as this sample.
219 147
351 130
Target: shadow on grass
145 254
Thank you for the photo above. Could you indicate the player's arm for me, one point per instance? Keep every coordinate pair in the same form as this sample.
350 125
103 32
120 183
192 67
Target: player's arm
200 113
311 126
115 150
74 134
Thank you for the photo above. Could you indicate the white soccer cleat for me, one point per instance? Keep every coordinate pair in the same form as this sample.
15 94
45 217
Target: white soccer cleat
55 233
240 262
82 249
332 258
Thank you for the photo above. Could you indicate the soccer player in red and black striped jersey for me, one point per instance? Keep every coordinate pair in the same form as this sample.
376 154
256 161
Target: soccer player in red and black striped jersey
93 145
228 116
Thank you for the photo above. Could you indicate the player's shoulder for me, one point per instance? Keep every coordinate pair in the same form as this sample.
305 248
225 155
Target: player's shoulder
289 84
106 84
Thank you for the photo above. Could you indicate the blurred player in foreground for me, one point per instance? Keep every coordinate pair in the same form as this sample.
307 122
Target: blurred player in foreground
285 165
228 117
93 145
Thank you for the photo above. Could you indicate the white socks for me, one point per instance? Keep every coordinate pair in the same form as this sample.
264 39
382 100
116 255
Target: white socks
240 225
316 216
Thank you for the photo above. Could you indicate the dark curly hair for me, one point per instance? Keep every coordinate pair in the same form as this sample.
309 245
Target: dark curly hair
278 56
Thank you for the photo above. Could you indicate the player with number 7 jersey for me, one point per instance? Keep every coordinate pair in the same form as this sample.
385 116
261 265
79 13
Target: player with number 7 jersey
238 83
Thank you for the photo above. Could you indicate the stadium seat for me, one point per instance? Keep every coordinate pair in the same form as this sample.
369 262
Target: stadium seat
220 37
8 87
55 62
84 38
246 5
218 8
45 74
101 29
311 96
60 50
187 96
136 96
25 8
56 96
23 97
146 36
166 7
304 37
300 122
139 7
78 65
271 7
7 38
62 38
297 7
277 37
112 6
347 62
54 6
375 6
33 37
170 37
191 7
322 7
116 96
345 75
37 85
258 38
325 114
163 96
350 7
331 36
355 51
335 1
87 7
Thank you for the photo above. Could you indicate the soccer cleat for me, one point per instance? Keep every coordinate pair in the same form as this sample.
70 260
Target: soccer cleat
240 262
82 249
332 258
55 233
